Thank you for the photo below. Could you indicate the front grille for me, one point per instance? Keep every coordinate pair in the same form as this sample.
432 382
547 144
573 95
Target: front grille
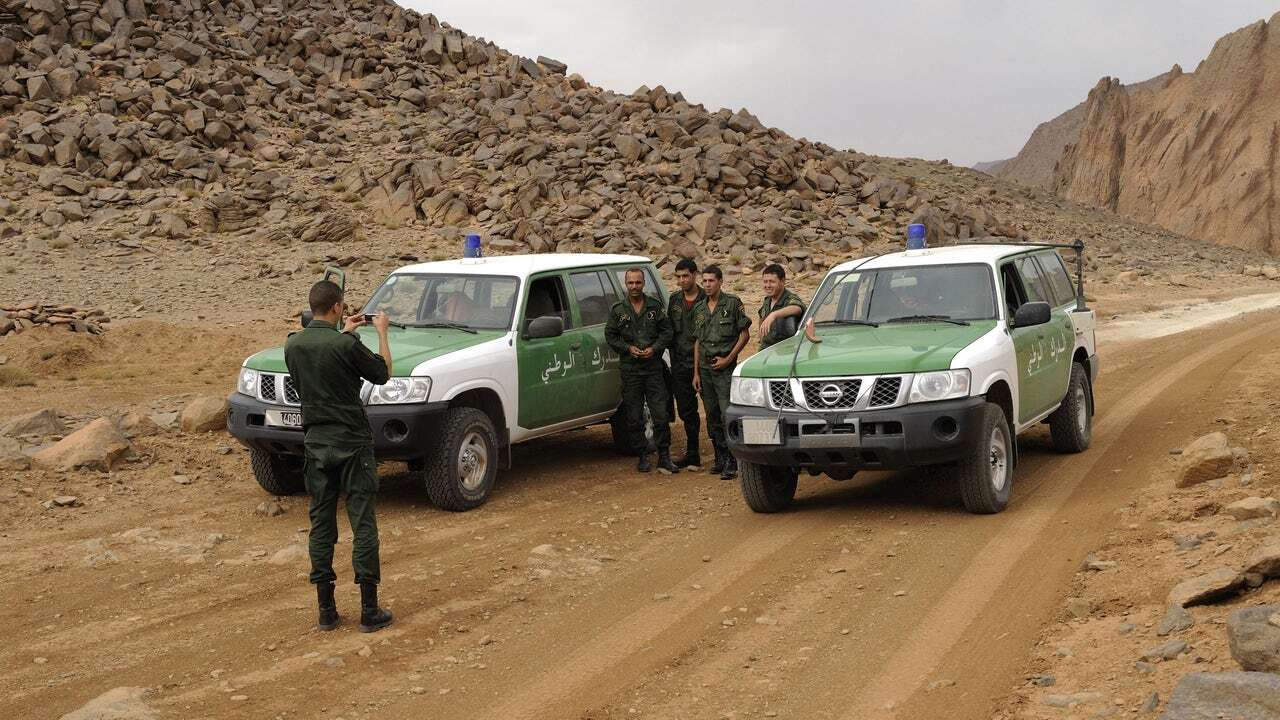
291 392
780 394
885 391
840 394
267 387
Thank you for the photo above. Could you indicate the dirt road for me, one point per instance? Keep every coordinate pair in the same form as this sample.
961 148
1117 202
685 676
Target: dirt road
582 590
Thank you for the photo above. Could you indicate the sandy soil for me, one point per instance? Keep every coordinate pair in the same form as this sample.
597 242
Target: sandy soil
582 590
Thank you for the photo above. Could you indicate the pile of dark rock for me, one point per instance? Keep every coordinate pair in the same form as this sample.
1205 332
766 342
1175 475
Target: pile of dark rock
29 314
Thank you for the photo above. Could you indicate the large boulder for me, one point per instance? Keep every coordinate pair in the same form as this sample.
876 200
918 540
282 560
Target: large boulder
1213 585
204 414
1254 635
97 446
11 455
1253 507
1208 458
122 703
40 422
1235 695
1265 561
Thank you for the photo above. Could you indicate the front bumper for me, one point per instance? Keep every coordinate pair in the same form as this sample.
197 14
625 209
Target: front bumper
400 432
902 437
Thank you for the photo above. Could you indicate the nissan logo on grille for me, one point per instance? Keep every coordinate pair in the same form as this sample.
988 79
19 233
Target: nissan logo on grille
831 394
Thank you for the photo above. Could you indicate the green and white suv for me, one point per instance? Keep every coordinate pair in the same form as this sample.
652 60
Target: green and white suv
935 357
487 353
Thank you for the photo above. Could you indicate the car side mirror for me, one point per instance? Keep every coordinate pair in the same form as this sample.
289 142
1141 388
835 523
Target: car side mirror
547 326
307 317
1032 313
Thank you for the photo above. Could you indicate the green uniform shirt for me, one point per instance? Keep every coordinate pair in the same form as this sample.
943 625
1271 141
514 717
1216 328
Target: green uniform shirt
788 299
682 336
327 367
648 328
718 330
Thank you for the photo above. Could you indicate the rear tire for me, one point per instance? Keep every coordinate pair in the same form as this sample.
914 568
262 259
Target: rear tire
277 474
460 468
1071 425
986 474
767 489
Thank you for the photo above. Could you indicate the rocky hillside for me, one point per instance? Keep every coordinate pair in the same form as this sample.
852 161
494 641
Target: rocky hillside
154 153
1196 154
306 121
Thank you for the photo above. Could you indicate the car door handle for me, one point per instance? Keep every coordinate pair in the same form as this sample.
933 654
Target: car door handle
576 346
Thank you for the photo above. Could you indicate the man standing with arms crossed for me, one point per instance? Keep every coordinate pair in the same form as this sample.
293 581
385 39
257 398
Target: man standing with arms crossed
779 303
722 329
680 310
638 330
327 367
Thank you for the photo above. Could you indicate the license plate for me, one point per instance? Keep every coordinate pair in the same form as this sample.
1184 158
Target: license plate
284 418
760 431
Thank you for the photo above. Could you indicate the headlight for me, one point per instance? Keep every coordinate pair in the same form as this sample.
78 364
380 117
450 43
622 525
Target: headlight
399 390
747 391
248 384
942 385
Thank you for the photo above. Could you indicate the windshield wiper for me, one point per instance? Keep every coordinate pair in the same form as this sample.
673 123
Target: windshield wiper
837 321
928 318
443 324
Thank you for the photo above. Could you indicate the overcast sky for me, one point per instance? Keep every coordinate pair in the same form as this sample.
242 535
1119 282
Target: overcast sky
963 80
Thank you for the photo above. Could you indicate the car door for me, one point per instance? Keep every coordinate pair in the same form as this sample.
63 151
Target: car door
546 366
1060 330
1038 348
593 297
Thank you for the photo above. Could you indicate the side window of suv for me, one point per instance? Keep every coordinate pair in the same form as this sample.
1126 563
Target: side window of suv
1014 295
594 301
1059 281
546 297
1032 280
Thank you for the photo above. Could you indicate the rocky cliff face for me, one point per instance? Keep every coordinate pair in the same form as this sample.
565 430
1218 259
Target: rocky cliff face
1035 163
1197 153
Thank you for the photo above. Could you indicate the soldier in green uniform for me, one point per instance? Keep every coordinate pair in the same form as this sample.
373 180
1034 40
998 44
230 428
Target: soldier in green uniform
327 367
779 303
639 331
680 309
721 330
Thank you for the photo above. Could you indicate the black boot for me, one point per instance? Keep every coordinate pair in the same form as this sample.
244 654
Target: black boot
644 465
664 463
329 618
372 617
730 467
690 459
717 467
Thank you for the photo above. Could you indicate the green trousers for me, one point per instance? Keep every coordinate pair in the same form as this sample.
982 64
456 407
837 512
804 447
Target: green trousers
715 401
687 404
642 385
329 471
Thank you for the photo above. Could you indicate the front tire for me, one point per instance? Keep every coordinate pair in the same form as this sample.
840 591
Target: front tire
986 475
460 469
1071 425
767 489
277 474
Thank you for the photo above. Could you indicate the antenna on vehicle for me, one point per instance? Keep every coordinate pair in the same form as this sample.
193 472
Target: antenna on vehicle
795 356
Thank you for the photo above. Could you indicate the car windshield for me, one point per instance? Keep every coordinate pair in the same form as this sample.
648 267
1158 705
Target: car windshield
480 302
906 294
